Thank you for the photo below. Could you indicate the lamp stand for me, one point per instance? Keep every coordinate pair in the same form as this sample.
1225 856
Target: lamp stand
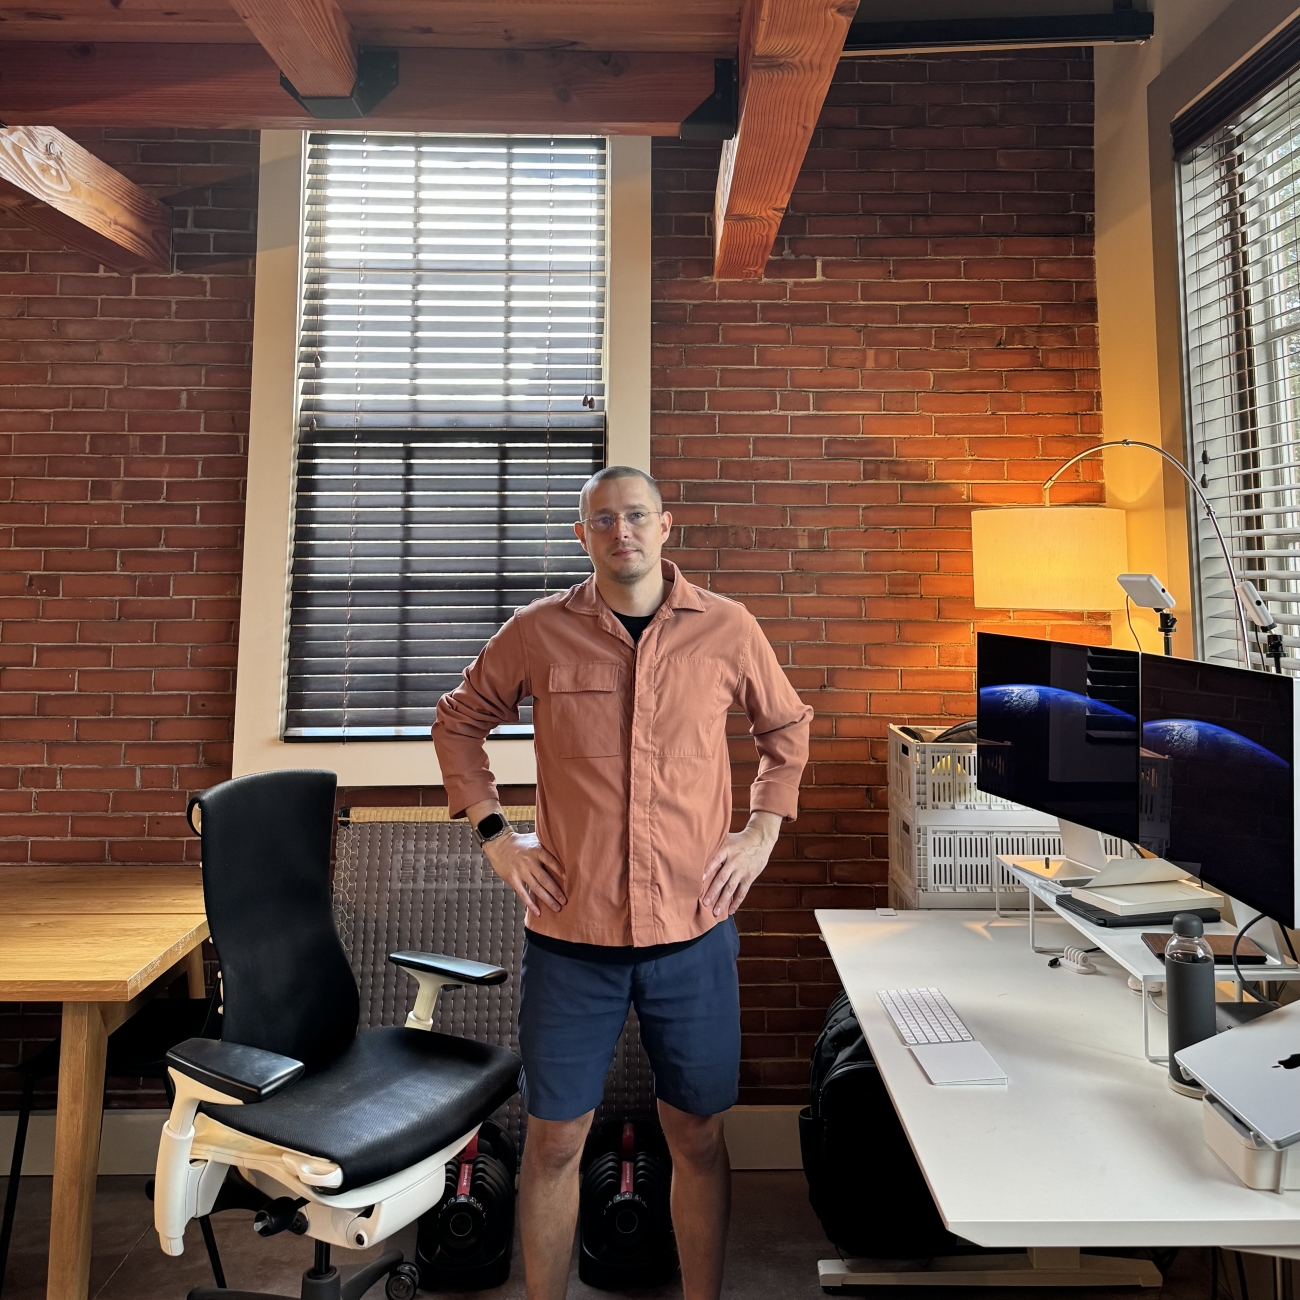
1209 510
1168 623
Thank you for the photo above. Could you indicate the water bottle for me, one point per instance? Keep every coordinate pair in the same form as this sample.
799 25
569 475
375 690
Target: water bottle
1189 994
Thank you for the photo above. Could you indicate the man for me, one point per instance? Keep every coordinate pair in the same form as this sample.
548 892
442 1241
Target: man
632 879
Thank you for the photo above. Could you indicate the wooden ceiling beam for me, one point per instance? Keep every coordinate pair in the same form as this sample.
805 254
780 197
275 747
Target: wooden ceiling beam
51 183
226 87
788 53
311 42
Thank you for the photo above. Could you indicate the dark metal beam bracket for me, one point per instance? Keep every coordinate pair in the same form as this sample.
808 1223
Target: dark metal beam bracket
718 116
376 79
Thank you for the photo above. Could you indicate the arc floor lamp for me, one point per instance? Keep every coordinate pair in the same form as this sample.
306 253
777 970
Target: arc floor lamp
1068 557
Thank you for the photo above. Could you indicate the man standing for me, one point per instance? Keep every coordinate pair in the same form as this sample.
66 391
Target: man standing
632 878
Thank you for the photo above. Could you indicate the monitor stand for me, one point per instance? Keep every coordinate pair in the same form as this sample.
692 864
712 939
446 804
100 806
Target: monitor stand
1084 847
1081 844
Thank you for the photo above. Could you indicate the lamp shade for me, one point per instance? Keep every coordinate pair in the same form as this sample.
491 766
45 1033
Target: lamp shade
1048 557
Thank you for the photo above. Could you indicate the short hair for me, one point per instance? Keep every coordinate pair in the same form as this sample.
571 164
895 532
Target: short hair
617 471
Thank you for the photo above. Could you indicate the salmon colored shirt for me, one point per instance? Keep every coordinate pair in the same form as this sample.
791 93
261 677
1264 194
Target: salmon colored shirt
633 777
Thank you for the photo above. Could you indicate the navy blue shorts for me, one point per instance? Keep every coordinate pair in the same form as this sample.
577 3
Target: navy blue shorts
572 1010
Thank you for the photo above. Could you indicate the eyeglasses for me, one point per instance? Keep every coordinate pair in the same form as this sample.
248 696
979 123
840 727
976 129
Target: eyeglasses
636 520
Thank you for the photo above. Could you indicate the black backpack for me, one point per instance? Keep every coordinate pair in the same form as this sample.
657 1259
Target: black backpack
863 1180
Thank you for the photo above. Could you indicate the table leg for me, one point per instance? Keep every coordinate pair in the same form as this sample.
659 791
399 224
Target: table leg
194 972
76 1149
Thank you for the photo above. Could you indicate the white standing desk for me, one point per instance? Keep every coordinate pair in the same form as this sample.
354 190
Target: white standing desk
1086 1144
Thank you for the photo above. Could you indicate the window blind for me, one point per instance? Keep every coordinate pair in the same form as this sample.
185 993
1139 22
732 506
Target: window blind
451 404
1239 200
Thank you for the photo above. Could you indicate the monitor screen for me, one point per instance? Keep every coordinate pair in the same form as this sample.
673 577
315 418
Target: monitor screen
1058 729
1225 739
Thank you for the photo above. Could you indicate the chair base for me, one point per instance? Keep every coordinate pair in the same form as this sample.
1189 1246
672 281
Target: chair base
330 1284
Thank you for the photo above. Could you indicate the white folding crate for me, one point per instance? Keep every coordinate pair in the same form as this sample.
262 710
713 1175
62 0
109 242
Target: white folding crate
929 777
940 865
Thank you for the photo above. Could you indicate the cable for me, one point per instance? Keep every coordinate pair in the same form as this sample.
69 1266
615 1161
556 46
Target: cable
1214 1273
1241 980
1128 615
1241 1275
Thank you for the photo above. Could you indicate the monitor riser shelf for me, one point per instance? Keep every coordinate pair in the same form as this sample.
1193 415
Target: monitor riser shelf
1125 947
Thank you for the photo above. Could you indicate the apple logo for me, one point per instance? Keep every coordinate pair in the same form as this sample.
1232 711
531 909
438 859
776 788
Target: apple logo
1291 1062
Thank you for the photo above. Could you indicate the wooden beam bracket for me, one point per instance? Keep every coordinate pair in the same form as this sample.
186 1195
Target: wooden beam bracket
717 117
51 183
376 80
789 50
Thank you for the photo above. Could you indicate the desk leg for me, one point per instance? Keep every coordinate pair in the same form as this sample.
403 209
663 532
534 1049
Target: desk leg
1033 942
194 972
76 1149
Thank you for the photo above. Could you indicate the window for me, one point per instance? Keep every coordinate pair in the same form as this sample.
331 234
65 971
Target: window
1239 201
262 680
451 402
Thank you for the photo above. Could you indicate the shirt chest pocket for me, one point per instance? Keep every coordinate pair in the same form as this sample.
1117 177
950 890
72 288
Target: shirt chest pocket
586 710
691 702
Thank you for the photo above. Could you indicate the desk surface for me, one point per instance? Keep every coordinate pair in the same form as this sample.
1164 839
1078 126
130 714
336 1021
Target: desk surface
94 934
1086 1145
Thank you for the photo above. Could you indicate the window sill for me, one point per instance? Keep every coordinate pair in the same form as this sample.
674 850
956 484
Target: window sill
371 763
383 735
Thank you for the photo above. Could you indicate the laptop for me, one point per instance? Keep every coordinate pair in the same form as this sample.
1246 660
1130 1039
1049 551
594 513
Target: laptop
1254 1070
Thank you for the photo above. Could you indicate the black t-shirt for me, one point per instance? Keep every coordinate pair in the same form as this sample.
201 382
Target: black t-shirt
608 953
635 623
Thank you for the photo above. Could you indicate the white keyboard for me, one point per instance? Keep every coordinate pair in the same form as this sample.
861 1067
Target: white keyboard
923 1016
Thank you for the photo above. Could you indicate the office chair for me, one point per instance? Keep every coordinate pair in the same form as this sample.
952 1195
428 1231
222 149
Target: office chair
348 1134
136 1050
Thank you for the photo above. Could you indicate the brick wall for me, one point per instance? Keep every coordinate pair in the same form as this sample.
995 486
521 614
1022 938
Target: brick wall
923 341
924 336
123 416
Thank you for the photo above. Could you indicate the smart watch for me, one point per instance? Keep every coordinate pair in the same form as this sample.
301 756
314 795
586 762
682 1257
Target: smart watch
490 827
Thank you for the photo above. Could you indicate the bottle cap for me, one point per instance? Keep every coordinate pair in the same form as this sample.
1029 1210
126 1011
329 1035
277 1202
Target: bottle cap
1189 926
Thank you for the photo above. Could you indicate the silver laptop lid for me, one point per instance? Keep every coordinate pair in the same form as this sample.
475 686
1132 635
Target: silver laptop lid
1254 1070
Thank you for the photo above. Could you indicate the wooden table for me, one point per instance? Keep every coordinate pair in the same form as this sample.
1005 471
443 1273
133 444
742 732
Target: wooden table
94 939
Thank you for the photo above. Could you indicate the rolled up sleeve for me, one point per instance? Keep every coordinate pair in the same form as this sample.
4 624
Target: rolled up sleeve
779 721
488 695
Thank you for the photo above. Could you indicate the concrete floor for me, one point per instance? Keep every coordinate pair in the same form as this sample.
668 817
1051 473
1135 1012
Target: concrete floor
772 1254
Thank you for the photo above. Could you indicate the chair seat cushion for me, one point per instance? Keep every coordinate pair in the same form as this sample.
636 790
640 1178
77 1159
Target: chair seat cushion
394 1097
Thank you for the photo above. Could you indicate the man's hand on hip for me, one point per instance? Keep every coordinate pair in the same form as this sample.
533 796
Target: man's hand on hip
738 863
532 872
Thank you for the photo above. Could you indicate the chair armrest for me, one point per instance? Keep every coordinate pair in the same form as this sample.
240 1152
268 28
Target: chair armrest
459 969
240 1074
435 972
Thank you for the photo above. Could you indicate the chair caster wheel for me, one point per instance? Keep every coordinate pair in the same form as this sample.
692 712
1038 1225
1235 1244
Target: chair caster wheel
402 1282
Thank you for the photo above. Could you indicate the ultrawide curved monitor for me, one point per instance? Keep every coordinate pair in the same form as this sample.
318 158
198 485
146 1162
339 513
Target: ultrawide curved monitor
1195 762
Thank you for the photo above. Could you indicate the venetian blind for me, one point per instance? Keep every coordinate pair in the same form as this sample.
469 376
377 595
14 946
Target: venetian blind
1239 198
451 405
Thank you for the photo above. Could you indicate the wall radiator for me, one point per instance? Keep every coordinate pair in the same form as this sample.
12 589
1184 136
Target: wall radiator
410 878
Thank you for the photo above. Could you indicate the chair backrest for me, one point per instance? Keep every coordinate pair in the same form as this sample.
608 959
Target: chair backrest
286 983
